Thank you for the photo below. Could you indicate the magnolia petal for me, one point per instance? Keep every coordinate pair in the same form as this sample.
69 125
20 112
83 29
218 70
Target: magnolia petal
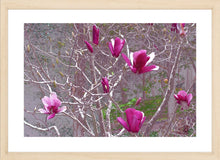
123 123
51 116
126 59
134 125
149 68
139 115
189 98
132 57
113 43
178 26
41 110
111 48
133 69
55 102
182 95
178 101
176 97
151 57
130 112
62 109
46 101
53 95
140 59
142 122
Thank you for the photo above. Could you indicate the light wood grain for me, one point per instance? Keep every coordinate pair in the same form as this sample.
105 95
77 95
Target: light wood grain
111 4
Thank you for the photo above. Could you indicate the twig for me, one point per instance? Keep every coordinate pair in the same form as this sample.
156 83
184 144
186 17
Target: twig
43 129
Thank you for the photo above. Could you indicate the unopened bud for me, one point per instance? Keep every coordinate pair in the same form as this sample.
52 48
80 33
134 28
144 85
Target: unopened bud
61 74
165 81
28 48
57 60
54 83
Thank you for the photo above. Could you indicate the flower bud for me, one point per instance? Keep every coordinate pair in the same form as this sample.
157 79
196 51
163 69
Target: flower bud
165 81
28 48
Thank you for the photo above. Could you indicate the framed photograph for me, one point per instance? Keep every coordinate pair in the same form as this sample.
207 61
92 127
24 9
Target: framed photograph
90 82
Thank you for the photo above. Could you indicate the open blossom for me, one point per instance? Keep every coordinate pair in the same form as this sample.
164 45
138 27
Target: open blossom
138 101
183 99
174 27
51 105
95 35
178 28
105 85
135 119
139 61
89 46
116 46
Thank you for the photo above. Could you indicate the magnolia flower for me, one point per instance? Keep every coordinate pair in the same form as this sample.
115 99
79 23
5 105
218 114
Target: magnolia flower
105 85
174 27
183 99
51 105
139 61
138 101
135 119
95 35
178 28
116 46
89 46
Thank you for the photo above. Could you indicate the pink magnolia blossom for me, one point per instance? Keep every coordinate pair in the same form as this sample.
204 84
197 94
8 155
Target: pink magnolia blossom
95 35
105 85
138 101
135 119
183 99
174 27
139 61
116 46
178 28
89 46
51 105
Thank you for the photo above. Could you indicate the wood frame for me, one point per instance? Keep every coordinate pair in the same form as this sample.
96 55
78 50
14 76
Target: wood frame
214 5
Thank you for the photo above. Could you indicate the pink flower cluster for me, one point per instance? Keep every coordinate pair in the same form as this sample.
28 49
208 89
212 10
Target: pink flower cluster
138 62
